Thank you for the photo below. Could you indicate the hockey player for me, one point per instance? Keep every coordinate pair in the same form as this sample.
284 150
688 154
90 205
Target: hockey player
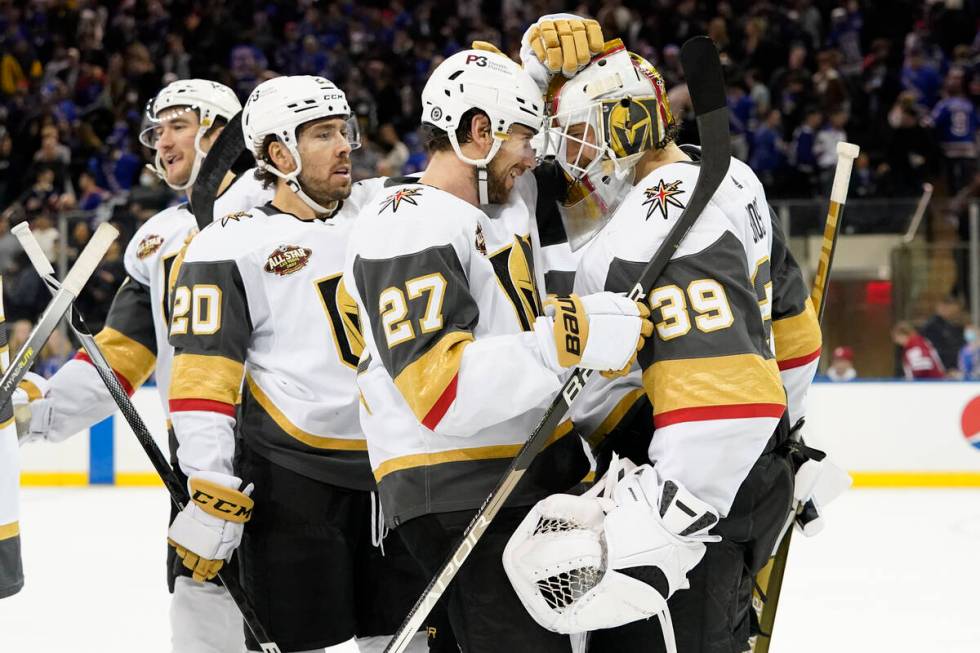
185 118
705 510
266 344
11 567
461 358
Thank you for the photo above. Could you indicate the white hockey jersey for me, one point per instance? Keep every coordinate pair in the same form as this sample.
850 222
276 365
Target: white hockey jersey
134 339
259 296
711 372
452 379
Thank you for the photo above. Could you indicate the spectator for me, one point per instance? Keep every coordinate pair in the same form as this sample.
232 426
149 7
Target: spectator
803 156
740 112
19 334
944 330
863 181
9 247
768 149
90 196
919 357
56 352
828 84
911 152
956 122
958 213
842 365
920 78
969 358
825 147
394 160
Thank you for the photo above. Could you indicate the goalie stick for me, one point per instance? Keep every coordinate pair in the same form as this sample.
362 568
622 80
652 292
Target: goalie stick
229 145
178 494
74 281
769 581
701 63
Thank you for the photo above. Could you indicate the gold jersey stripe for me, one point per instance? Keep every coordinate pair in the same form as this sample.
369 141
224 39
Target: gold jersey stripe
10 530
615 416
315 441
7 423
424 381
798 335
716 381
216 378
461 455
126 356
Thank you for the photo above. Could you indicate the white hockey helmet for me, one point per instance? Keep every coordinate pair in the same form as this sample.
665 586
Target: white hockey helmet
491 82
277 107
602 122
210 100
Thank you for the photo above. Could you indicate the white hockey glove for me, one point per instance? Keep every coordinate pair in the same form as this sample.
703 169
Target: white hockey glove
209 528
603 331
818 482
32 411
587 563
559 43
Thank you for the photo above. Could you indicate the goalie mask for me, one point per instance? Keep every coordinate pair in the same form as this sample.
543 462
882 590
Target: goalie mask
602 122
208 100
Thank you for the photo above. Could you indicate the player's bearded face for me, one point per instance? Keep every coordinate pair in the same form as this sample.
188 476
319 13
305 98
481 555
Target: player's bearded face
325 151
175 136
514 158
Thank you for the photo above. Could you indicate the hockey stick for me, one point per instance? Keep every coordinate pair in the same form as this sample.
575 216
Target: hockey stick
770 579
706 83
178 494
226 149
87 261
918 214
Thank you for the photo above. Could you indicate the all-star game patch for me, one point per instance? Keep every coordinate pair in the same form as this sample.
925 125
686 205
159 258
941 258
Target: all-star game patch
287 259
662 195
407 195
148 246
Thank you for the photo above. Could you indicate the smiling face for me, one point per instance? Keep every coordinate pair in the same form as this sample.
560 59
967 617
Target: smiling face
514 158
324 148
173 139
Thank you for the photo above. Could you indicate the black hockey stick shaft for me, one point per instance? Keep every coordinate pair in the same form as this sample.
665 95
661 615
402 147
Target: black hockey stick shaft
229 145
699 56
770 579
176 490
84 266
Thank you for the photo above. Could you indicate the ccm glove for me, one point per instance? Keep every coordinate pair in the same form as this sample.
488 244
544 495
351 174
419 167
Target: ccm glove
32 411
602 331
209 528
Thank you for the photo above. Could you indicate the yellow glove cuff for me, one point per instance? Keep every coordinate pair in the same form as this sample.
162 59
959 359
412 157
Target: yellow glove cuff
220 501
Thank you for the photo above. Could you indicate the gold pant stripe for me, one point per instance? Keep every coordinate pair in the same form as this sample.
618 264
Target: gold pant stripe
461 455
8 531
316 441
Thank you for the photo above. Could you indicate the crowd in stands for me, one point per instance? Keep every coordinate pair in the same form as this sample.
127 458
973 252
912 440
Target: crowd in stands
900 78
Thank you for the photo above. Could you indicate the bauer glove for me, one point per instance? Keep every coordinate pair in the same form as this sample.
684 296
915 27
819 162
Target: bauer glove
209 528
602 331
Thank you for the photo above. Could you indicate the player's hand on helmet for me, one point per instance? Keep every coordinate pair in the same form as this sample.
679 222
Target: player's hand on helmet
603 331
559 43
32 411
209 528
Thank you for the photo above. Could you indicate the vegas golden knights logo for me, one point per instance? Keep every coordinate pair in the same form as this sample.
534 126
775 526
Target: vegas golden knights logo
515 272
630 127
345 322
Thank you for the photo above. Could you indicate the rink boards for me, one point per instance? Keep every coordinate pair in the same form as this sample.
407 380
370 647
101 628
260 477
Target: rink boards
886 433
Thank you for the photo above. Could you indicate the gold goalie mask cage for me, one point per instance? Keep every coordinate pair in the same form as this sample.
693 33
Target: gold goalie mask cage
603 120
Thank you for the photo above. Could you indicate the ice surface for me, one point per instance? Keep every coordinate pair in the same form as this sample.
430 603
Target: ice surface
893 571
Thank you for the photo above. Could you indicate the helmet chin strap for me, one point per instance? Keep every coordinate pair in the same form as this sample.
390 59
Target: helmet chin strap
319 209
482 172
482 185
199 155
